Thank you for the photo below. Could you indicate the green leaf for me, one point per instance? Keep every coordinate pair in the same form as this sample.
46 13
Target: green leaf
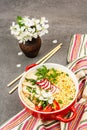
33 81
19 21
19 18
42 72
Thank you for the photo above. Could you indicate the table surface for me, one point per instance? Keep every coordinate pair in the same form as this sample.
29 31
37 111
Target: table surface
66 17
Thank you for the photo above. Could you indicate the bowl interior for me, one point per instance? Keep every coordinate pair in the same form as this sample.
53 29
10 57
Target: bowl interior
49 65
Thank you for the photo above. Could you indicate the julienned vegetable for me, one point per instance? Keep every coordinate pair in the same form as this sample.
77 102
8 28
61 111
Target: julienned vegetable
48 89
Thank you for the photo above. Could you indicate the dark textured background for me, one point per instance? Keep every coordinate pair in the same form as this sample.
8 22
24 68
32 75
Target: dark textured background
66 17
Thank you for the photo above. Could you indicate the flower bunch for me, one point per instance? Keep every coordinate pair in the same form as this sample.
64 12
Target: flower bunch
25 29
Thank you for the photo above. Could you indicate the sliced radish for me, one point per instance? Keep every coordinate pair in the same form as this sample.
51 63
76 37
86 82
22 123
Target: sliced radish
48 86
40 82
44 84
53 89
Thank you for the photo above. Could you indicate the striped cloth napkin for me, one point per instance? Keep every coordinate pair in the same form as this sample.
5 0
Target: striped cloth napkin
77 58
78 47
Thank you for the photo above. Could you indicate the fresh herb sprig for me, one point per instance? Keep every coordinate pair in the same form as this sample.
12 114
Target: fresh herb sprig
42 72
33 81
45 73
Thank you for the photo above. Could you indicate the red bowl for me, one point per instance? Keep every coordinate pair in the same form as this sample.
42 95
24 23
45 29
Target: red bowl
54 115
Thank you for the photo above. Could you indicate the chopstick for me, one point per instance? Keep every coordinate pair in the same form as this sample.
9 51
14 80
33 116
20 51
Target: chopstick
16 79
12 90
45 58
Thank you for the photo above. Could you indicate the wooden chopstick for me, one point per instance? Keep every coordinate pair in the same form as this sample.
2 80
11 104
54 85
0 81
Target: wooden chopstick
15 80
46 57
50 53
40 61
12 90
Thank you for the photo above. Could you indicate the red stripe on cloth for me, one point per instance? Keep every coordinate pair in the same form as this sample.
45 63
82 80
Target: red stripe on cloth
83 124
76 45
80 64
16 120
82 82
31 123
34 124
74 123
83 127
24 125
86 106
81 88
80 91
73 46
86 44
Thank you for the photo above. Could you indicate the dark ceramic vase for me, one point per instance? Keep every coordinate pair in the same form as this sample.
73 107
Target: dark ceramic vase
31 48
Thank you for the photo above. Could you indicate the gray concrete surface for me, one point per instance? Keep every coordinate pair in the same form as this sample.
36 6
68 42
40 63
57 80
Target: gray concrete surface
66 17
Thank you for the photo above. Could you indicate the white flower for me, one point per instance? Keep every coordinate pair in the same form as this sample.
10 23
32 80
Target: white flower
42 32
35 35
45 26
27 22
38 27
25 29
43 20
36 21
22 29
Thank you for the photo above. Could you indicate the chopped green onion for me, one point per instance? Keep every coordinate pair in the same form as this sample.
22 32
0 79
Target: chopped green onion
71 98
60 101
33 81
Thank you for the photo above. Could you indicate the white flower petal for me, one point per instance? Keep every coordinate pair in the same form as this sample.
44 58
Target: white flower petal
54 41
35 35
18 65
20 53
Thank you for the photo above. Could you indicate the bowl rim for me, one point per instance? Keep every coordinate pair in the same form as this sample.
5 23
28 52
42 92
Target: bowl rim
50 65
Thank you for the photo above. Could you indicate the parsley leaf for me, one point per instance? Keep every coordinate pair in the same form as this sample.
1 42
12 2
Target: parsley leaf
42 72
